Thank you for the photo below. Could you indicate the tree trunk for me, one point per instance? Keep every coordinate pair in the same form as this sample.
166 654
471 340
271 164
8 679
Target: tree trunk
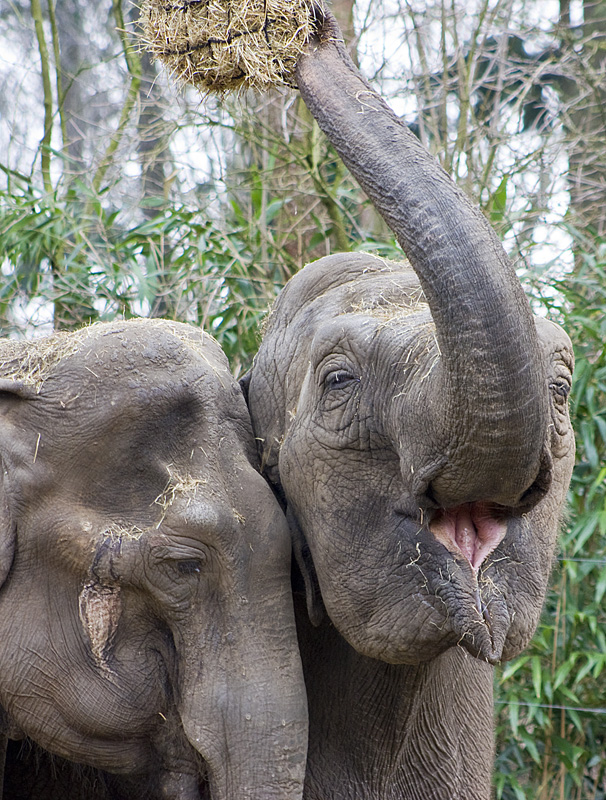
586 119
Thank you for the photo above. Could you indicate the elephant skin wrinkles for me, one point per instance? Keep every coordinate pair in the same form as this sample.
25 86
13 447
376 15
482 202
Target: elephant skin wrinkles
415 424
146 615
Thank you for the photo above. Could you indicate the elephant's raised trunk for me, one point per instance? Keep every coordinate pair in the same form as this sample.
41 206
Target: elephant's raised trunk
489 435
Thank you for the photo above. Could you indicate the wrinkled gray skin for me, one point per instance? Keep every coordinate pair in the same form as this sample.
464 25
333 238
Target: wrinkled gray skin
146 618
416 425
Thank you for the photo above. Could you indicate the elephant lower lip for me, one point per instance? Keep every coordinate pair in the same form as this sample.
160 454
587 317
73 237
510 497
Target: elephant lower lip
484 613
470 530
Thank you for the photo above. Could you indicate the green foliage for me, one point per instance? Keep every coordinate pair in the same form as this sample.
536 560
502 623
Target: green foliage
551 705
79 264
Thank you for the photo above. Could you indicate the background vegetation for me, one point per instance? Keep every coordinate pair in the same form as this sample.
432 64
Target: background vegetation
121 197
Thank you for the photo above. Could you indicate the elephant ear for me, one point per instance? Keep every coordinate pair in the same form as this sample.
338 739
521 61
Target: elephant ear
7 529
244 382
304 561
11 393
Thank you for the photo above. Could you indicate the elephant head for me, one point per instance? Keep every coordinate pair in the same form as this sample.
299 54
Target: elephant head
414 421
145 610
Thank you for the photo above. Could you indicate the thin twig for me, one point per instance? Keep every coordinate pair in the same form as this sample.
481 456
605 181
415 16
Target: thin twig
47 92
133 64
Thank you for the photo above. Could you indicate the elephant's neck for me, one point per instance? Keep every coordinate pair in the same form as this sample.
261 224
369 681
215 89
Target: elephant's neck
381 731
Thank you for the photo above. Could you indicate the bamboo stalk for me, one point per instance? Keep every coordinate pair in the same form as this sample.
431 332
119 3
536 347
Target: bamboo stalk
47 92
58 80
133 65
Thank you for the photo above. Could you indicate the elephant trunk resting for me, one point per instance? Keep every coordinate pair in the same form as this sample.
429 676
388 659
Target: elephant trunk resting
253 697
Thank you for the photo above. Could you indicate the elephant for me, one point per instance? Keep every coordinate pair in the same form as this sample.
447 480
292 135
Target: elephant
412 418
146 616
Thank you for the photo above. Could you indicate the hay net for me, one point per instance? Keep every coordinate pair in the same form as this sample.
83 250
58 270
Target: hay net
221 45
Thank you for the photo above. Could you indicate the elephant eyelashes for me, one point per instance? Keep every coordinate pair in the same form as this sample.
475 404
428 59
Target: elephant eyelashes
339 379
190 566
561 389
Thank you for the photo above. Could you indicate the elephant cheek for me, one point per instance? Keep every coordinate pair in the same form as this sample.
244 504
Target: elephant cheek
99 609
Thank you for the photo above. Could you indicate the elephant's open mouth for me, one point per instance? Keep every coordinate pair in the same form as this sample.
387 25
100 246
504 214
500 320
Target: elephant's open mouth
471 530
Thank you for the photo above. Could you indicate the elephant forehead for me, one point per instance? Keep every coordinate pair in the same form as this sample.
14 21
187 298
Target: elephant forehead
116 418
554 341
120 379
110 346
114 382
340 275
122 426
373 327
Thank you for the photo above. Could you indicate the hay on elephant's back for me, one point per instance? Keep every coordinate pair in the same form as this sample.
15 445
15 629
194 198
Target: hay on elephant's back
219 45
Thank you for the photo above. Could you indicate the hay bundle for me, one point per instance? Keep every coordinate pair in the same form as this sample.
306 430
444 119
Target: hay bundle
219 45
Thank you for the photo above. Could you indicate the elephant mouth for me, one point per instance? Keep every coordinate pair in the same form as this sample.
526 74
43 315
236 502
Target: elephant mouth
470 531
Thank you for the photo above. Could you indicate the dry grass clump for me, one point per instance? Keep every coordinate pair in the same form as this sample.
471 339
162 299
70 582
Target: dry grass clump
32 361
178 486
117 533
391 311
220 45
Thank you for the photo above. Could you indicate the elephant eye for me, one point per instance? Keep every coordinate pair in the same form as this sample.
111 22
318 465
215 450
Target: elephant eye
339 379
561 389
190 566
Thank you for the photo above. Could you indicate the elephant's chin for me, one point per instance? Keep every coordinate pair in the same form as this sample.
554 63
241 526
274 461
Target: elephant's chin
457 601
478 620
485 637
480 639
460 616
476 608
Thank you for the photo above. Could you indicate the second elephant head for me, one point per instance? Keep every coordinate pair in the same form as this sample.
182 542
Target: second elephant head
145 610
415 421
